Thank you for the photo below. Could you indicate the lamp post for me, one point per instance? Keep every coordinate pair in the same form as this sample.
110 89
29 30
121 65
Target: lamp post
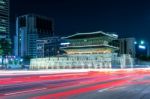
141 48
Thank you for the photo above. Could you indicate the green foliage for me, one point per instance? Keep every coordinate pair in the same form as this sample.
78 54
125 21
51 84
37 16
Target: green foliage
144 58
5 47
27 58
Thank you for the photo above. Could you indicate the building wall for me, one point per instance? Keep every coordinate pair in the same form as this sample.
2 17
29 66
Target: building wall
86 61
127 46
4 18
40 48
28 29
47 47
96 61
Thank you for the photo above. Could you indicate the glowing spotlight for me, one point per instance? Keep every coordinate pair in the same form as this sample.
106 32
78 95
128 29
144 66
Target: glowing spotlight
142 47
142 42
65 43
135 42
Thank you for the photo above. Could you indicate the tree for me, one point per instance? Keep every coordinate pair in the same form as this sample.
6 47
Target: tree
5 49
144 58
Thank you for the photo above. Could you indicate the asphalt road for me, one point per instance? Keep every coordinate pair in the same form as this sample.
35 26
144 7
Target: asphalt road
87 85
137 89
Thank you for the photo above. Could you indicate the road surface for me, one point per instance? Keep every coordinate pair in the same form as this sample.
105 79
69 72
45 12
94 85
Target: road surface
81 85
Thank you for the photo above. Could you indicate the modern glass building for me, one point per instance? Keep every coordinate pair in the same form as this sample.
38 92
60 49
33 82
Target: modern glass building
30 28
4 18
47 47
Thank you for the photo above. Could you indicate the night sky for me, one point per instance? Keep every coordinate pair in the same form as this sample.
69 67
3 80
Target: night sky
128 18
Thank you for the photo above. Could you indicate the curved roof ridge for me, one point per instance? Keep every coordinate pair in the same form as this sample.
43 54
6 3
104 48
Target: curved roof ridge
86 33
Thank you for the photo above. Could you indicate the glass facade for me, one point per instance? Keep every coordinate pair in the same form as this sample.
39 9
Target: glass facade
30 28
47 47
4 18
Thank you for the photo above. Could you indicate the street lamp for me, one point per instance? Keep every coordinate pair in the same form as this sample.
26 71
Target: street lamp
142 42
142 47
66 43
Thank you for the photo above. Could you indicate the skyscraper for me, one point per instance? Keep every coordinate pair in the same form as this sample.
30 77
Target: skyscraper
5 42
127 46
30 28
4 18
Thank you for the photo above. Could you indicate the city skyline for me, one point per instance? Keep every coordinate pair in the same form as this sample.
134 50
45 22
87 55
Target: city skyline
74 49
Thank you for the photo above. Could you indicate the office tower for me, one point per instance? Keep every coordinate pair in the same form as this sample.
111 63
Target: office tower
127 46
49 46
30 28
5 42
4 18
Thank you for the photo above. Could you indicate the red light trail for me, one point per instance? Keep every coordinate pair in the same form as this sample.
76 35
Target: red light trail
65 85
